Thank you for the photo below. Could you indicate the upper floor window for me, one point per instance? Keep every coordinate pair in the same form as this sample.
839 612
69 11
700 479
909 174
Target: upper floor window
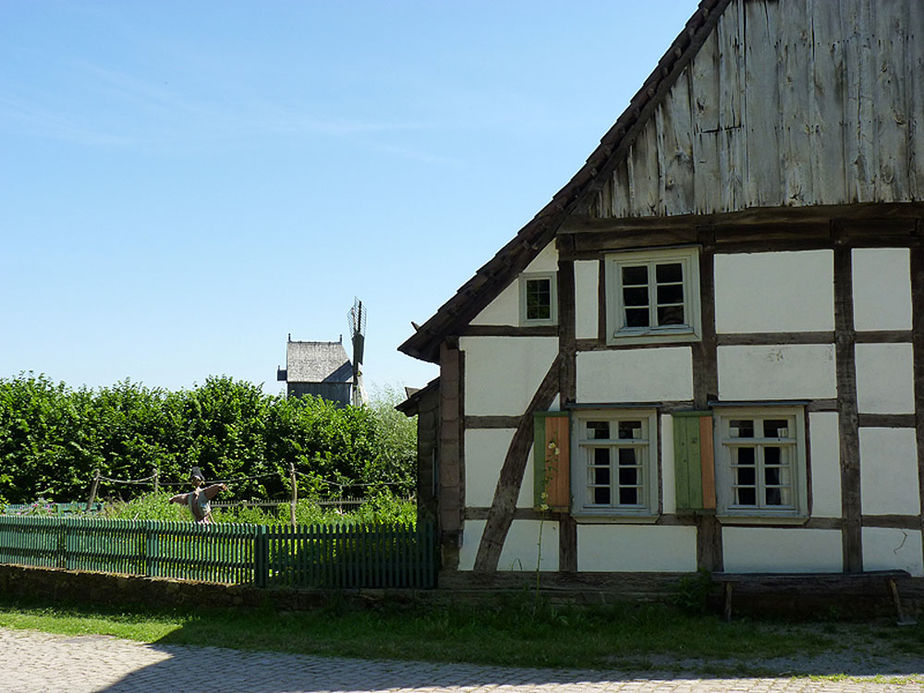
538 299
653 296
760 462
615 463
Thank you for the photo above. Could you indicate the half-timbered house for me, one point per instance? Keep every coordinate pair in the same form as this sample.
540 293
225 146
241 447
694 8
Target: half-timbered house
707 351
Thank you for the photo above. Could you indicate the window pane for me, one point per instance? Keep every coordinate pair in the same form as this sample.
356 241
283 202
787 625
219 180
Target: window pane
746 496
598 430
773 455
627 457
776 428
628 476
671 315
772 476
628 496
635 275
601 495
635 296
669 272
744 456
538 312
538 299
630 430
602 457
747 476
741 428
774 497
637 317
601 476
670 293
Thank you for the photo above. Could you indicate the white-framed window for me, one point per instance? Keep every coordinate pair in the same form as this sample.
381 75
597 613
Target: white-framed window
653 296
614 463
538 299
760 462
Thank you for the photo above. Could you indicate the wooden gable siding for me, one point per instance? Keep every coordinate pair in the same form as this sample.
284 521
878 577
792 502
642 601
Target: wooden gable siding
787 103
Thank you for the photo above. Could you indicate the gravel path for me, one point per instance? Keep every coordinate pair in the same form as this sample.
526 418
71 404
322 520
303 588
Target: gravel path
33 661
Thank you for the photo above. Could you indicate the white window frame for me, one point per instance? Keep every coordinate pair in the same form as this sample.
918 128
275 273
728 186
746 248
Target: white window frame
726 442
553 287
647 446
617 330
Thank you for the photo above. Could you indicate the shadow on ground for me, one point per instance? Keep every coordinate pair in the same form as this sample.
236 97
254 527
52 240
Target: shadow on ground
185 667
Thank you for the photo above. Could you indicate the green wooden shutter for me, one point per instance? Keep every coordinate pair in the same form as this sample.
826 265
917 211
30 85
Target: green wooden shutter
551 467
694 474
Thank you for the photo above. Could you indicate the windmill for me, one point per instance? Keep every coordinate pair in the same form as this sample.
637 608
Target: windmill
357 320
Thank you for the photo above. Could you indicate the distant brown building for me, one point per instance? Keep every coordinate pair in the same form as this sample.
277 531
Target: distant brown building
321 369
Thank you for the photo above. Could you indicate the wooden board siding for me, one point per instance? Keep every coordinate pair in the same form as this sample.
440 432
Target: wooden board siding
787 103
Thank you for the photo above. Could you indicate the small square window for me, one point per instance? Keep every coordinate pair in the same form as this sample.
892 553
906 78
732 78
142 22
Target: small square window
538 299
653 296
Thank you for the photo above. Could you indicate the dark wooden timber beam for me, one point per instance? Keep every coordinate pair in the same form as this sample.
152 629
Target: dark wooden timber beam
511 476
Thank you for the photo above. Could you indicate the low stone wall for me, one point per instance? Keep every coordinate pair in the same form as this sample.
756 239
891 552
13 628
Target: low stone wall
57 585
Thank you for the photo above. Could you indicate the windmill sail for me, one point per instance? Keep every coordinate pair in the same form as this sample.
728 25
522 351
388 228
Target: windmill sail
357 320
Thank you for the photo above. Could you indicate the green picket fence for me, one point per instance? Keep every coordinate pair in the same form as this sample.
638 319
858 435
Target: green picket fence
340 556
351 556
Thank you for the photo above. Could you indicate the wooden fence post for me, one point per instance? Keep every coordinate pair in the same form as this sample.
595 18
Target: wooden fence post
294 493
260 556
156 480
93 489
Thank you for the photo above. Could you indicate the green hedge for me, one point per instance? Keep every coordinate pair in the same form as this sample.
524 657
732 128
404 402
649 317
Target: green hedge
53 437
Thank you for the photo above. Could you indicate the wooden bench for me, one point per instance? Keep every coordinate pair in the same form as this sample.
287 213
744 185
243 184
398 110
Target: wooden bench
820 583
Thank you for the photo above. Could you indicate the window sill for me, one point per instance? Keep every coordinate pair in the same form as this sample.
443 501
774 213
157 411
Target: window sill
653 337
614 519
762 519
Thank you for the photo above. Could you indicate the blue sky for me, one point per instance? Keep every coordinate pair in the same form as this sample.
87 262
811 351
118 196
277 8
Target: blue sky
182 184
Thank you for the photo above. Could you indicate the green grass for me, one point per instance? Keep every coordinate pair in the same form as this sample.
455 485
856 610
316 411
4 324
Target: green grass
516 632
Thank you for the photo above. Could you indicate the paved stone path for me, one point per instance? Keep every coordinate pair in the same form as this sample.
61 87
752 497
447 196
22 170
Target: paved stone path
31 661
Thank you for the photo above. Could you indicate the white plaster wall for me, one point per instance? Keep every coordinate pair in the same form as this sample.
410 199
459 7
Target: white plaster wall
503 373
485 450
521 547
893 549
889 472
775 292
824 444
545 261
636 548
668 479
777 372
885 378
503 310
881 289
775 550
635 375
587 299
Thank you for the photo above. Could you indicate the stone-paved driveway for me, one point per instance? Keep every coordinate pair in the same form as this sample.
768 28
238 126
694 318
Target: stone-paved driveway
32 661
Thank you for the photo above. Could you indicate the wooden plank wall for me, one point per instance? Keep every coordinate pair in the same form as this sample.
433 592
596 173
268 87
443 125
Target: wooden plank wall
788 103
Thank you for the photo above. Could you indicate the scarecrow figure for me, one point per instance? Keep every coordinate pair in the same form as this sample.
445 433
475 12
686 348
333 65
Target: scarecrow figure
198 500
